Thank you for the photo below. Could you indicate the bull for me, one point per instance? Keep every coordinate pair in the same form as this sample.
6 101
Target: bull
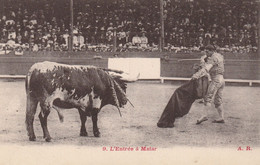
86 88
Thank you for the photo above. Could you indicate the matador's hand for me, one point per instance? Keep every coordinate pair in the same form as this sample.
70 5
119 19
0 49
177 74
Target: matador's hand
194 77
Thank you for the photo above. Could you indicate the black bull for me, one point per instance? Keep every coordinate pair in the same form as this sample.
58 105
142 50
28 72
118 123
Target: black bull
86 88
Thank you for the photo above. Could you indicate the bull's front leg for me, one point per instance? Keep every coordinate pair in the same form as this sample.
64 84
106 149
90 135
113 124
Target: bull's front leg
96 104
95 127
83 119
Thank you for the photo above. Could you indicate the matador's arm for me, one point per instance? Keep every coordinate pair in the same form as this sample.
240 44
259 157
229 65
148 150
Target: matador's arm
202 72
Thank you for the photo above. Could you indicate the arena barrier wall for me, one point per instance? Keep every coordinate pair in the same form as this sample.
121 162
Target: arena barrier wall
234 69
148 68
239 68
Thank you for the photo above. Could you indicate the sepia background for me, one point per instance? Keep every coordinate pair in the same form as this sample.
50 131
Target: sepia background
161 40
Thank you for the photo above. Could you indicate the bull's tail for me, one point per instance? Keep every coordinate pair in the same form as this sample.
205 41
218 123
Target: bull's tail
61 116
27 82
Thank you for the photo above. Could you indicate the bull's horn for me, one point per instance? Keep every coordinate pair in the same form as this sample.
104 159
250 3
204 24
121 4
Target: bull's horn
129 78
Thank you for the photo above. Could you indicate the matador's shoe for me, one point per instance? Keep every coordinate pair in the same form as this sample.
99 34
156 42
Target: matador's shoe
218 121
201 120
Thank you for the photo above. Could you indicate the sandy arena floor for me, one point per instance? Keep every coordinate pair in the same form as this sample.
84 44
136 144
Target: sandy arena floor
186 143
137 126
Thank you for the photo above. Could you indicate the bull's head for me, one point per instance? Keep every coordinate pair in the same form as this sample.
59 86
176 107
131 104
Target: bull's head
122 78
118 87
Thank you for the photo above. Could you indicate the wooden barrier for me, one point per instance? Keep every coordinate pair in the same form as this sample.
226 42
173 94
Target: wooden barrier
234 68
12 76
238 68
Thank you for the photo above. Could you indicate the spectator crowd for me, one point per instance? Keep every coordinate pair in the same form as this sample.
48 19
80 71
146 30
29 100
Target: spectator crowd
131 25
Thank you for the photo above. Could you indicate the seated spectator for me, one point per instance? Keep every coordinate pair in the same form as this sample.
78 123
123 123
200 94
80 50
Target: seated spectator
18 50
102 38
207 40
66 38
11 33
81 41
121 36
57 47
2 48
200 42
144 40
35 48
136 41
10 44
75 42
109 36
4 38
97 22
10 23
19 39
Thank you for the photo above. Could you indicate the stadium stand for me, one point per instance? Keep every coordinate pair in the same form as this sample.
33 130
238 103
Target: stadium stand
43 25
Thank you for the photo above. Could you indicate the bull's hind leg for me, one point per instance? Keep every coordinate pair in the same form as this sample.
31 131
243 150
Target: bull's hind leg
83 118
43 115
31 106
95 127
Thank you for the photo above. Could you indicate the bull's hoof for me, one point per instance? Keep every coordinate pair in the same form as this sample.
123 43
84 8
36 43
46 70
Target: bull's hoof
48 139
165 125
32 138
83 134
96 133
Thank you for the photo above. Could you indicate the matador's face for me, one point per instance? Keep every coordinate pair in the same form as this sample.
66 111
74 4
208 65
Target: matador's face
209 52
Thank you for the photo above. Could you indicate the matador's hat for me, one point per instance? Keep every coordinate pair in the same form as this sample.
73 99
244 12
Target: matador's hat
210 48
